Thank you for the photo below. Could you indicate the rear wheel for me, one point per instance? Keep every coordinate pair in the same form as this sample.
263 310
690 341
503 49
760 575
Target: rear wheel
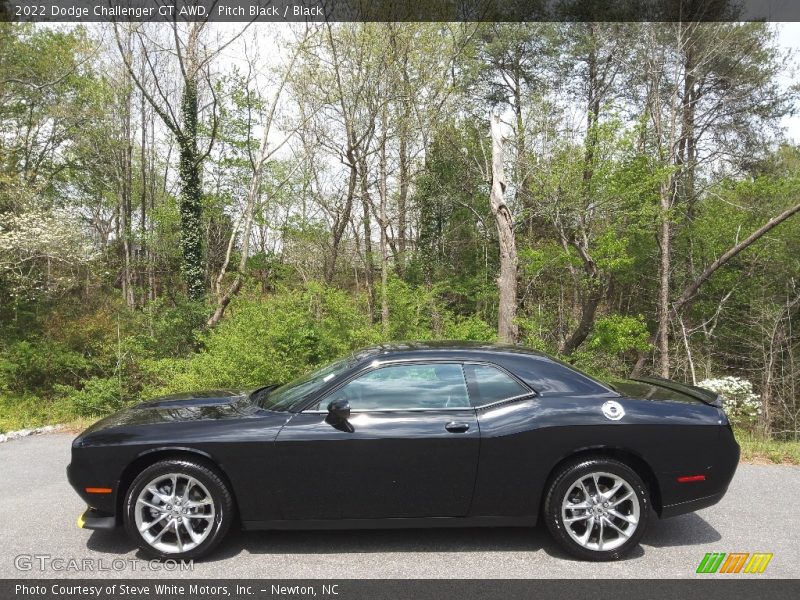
597 508
178 509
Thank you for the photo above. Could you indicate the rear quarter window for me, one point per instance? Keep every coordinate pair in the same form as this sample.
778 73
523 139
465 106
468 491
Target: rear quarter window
491 384
550 378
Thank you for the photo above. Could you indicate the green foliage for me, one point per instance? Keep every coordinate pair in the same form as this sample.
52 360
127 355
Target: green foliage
277 338
267 341
471 328
35 365
612 251
99 396
613 342
19 411
592 152
617 334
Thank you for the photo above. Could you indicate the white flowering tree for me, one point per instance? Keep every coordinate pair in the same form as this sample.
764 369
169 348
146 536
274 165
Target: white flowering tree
741 404
41 251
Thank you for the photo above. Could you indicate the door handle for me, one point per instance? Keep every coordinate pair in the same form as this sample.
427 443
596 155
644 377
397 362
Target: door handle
456 427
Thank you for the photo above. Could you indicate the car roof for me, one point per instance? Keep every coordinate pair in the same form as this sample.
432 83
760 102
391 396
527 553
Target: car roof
511 357
444 349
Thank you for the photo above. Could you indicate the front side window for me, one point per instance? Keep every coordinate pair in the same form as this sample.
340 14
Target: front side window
493 385
282 398
405 387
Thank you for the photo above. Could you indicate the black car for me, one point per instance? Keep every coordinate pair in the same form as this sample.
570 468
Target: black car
410 435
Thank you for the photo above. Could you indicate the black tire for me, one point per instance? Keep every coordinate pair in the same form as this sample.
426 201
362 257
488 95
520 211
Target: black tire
562 484
209 478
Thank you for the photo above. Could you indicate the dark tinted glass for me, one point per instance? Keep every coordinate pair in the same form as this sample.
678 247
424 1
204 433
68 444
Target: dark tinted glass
284 397
493 385
406 387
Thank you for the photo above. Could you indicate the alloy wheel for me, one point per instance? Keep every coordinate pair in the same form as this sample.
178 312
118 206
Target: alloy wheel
174 513
600 511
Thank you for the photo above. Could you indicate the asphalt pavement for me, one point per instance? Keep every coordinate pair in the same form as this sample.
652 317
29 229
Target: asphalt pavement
39 537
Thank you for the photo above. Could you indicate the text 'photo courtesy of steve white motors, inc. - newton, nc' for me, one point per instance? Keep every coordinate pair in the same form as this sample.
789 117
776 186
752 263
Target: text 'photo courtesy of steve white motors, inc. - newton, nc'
174 590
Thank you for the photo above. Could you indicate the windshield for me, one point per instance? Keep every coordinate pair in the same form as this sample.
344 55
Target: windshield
283 397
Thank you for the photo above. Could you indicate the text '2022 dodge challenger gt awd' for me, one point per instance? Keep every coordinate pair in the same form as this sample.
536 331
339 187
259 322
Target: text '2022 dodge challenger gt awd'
410 435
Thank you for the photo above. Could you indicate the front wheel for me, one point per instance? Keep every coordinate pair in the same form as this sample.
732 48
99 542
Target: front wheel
178 509
597 508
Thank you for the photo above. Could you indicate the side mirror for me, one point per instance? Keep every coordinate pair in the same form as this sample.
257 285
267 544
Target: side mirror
339 410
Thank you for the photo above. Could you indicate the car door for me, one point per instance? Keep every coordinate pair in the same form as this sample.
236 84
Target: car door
408 449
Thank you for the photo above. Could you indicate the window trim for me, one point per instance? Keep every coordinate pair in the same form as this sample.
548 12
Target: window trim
379 364
531 393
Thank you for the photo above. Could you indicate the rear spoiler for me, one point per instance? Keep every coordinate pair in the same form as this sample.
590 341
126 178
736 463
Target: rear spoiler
705 396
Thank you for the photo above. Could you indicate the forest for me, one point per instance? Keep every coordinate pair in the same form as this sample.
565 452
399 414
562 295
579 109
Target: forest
191 206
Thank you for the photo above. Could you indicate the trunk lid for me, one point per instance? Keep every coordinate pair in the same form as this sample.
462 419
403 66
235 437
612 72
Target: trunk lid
657 388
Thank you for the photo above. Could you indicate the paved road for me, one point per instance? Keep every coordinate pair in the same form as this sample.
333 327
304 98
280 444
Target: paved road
38 511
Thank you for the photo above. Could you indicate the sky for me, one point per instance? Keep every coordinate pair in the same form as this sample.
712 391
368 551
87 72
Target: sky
272 36
789 37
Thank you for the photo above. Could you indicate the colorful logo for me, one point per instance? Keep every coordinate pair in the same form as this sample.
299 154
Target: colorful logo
736 562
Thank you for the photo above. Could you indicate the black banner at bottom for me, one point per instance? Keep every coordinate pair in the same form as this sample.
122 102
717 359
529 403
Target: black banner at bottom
713 588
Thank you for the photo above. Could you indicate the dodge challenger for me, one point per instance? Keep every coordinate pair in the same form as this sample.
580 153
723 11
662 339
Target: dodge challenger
416 434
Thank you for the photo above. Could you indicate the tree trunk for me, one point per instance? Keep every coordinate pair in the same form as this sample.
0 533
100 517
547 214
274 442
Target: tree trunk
384 238
369 263
341 221
664 239
507 281
127 191
593 294
591 300
151 249
143 262
402 197
191 208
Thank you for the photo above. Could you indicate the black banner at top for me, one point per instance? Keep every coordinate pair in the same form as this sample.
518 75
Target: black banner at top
276 11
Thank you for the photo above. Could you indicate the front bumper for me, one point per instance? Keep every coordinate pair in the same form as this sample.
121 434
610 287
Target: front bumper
81 479
96 519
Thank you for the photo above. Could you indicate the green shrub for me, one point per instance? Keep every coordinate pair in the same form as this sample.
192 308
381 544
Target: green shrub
277 338
469 328
618 334
34 366
269 340
99 396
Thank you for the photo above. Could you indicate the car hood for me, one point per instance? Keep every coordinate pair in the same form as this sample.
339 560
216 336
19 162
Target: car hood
185 399
194 406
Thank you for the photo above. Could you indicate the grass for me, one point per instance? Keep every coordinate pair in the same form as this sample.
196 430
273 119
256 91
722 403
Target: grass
23 412
758 449
28 412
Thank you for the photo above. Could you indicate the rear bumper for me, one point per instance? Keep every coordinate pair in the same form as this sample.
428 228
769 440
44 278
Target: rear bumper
682 498
681 508
95 519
